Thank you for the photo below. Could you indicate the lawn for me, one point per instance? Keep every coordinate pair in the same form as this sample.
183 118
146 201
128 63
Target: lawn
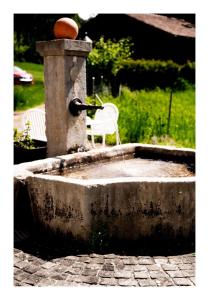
26 97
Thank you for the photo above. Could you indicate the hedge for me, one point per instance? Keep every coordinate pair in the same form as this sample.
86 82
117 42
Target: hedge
139 74
147 74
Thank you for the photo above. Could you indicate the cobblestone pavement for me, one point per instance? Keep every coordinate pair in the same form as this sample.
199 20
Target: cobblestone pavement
103 270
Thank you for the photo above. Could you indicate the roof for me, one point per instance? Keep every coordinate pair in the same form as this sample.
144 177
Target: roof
171 25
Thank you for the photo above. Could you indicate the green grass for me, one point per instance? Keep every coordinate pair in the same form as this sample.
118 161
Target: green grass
143 117
26 97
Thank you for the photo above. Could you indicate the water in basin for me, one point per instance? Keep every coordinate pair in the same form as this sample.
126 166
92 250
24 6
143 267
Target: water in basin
134 167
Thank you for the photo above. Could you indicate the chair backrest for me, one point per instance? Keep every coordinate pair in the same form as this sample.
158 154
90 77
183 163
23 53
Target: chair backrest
36 117
105 120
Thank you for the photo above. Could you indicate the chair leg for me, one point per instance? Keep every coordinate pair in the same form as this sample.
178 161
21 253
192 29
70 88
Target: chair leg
92 140
103 140
117 137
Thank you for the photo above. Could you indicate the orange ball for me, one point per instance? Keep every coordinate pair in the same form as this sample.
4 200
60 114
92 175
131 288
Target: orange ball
65 28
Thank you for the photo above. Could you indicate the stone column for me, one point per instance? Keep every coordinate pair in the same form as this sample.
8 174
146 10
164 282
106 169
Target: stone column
64 79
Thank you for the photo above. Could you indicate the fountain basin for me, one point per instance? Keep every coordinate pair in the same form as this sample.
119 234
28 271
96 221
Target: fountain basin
128 207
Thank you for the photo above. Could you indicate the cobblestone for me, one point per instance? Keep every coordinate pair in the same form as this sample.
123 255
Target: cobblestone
182 281
176 274
146 282
158 274
108 281
127 282
164 282
106 274
123 274
141 275
103 270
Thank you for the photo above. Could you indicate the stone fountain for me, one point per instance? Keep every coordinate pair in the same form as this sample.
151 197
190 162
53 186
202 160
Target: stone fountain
128 205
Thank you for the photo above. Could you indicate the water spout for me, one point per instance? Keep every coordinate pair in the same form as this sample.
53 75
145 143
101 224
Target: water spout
76 106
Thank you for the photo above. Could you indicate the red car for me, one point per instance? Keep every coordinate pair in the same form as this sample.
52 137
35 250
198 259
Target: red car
21 76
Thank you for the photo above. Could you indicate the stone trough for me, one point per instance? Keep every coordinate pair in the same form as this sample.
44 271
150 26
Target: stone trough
157 202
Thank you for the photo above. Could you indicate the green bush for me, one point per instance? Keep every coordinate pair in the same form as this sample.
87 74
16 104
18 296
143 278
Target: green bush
149 74
144 74
22 139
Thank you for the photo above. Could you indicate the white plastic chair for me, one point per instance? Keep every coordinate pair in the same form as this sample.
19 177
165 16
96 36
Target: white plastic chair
36 117
105 122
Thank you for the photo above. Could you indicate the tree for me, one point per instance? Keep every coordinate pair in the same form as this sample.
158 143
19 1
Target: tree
106 59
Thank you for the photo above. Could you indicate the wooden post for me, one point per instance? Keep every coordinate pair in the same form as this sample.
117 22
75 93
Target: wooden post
169 112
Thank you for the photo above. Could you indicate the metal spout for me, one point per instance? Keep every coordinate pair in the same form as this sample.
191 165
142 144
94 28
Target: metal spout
76 107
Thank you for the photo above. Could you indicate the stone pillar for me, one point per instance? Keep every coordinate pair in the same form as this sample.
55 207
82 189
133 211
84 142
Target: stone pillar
64 79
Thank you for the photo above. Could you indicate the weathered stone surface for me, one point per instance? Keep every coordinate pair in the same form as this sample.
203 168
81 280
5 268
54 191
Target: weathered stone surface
74 271
145 261
119 265
154 267
63 47
93 266
169 267
60 268
22 264
160 260
98 260
127 282
123 274
21 276
84 208
188 259
48 265
164 282
140 268
146 282
43 273
30 268
46 282
108 281
175 260
130 261
106 274
158 274
58 276
141 275
90 279
89 272
186 267
65 79
188 273
176 274
182 281
32 279
108 267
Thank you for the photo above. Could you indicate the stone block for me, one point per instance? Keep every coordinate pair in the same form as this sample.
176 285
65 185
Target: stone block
108 281
141 275
147 282
127 282
123 274
182 281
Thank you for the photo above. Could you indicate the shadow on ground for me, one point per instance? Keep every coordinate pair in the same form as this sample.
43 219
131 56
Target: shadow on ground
50 247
